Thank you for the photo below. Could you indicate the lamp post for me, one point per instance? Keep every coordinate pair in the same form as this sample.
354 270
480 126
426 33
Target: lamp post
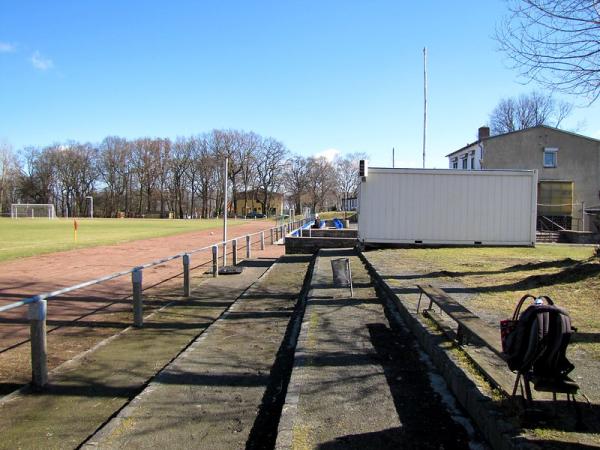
225 214
91 199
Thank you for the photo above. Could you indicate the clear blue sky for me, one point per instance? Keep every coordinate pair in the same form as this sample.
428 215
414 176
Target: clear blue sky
317 75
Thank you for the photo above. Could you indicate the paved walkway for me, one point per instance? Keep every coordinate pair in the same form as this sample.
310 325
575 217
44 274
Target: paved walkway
213 395
356 382
87 392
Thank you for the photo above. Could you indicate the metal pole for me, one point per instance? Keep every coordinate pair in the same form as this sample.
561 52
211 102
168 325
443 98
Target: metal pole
262 240
582 216
225 214
248 248
234 251
215 260
39 355
424 101
138 304
272 239
186 275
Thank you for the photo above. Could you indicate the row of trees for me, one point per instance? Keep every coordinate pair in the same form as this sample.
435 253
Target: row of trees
526 111
152 176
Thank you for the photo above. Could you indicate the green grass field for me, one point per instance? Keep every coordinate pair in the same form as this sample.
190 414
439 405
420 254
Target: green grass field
28 237
499 276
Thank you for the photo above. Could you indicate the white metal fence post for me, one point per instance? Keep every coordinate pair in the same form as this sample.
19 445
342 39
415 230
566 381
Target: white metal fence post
215 260
234 245
39 355
248 248
224 254
262 240
186 275
138 303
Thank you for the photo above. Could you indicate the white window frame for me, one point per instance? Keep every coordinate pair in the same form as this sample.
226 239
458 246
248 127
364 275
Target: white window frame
551 151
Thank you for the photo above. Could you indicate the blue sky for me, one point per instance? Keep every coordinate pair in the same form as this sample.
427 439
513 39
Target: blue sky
317 75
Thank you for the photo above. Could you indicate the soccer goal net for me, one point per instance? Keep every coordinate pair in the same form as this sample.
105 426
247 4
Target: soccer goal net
32 210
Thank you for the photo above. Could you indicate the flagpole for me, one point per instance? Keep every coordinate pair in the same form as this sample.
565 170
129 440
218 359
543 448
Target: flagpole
424 102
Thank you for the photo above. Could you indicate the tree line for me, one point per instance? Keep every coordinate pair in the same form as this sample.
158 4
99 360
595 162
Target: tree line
152 177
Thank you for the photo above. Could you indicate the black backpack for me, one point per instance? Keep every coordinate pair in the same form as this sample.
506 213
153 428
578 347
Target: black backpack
539 341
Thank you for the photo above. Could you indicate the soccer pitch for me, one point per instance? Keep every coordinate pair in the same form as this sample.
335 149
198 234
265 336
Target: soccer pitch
28 237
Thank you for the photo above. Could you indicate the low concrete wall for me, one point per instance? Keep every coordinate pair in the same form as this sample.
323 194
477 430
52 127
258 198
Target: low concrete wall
498 430
579 237
331 233
297 245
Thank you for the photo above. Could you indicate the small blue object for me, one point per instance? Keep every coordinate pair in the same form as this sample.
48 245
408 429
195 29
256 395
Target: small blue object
338 223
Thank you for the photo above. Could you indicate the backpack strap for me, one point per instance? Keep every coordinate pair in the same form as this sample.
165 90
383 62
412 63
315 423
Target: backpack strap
519 304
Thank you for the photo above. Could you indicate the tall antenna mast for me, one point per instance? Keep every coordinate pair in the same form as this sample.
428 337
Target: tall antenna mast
393 157
424 102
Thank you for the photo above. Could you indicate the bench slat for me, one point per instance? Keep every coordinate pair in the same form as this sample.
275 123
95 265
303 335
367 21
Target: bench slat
469 321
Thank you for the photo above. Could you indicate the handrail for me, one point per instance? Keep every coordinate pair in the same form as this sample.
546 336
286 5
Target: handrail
553 223
48 295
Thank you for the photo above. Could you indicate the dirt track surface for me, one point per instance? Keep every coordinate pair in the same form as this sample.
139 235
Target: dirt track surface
96 306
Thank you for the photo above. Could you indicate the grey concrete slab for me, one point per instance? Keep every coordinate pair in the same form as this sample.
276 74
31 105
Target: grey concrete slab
356 382
83 394
211 395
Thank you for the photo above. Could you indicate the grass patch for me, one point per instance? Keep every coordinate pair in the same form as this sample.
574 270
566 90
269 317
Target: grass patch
29 237
498 277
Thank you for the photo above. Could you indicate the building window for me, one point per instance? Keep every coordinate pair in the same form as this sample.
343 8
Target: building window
550 155
455 163
472 162
464 163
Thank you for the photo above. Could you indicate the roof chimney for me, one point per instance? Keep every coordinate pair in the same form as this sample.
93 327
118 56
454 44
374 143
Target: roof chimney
483 132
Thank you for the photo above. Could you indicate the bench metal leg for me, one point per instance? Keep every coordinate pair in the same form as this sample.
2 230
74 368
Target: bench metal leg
419 302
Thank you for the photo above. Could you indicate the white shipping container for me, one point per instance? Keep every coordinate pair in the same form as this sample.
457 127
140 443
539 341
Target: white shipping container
441 206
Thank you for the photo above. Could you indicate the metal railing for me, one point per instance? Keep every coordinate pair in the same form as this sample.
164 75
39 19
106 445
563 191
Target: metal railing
37 304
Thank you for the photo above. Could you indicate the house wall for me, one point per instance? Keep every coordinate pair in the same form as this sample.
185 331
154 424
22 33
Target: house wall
254 205
578 160
471 153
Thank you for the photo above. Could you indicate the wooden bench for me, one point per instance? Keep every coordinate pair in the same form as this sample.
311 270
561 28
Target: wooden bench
486 354
491 363
470 326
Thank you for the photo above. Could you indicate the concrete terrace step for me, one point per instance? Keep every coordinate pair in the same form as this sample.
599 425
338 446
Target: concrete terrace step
356 382
214 394
547 236
83 394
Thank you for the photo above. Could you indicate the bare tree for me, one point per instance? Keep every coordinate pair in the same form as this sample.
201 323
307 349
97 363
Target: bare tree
556 43
205 166
321 181
76 170
270 159
113 166
251 143
346 171
180 162
9 176
296 179
38 182
526 111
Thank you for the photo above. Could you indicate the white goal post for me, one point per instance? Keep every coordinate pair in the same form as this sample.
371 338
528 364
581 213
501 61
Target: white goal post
32 211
